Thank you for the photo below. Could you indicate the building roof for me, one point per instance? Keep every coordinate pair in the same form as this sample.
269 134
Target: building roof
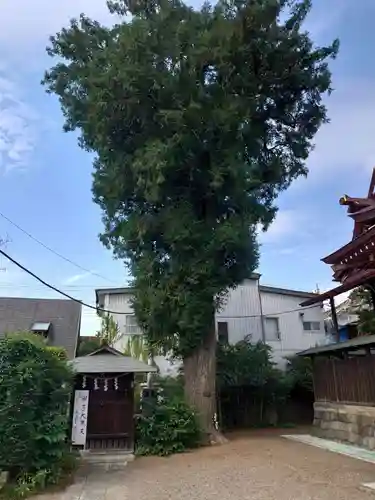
349 345
361 278
113 291
109 360
19 314
100 293
287 291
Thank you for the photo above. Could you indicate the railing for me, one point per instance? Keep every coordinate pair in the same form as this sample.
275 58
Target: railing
108 442
350 380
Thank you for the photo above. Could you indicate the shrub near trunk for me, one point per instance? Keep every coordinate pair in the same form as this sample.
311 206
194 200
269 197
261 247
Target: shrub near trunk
169 427
35 386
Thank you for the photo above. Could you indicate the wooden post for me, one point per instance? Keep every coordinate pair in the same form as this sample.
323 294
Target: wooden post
334 318
313 365
334 377
372 292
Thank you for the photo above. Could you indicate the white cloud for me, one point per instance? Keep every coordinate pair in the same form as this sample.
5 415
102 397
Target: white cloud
348 140
286 223
17 134
42 18
321 22
77 277
24 23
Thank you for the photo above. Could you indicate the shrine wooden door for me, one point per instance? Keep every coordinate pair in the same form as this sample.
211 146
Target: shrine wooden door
110 422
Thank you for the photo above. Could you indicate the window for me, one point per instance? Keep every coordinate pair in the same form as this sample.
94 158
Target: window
222 332
41 328
310 326
271 328
131 326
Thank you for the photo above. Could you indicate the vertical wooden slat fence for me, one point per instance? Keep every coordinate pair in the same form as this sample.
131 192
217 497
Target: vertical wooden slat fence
350 380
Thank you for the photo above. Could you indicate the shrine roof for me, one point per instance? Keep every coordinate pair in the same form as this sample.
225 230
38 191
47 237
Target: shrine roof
108 360
349 345
366 238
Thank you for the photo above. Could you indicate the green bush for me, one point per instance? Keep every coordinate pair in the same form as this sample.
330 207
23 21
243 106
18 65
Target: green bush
250 365
171 387
299 370
35 387
171 427
28 483
87 345
246 370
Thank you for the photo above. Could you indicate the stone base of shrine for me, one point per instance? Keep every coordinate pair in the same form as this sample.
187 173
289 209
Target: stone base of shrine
107 459
349 423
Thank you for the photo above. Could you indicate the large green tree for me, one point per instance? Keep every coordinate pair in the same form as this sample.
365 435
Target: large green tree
198 119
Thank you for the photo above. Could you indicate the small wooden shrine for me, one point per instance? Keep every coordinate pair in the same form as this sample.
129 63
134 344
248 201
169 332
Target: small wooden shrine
103 410
353 264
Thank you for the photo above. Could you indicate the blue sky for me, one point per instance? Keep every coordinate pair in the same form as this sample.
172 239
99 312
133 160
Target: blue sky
45 179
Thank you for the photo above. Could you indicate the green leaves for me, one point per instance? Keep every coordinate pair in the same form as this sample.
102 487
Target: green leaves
35 386
245 364
198 120
299 370
109 331
171 427
362 305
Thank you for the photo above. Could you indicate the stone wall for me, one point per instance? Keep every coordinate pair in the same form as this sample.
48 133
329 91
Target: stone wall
348 423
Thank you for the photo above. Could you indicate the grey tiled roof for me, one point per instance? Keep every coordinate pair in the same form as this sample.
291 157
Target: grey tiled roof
19 314
109 363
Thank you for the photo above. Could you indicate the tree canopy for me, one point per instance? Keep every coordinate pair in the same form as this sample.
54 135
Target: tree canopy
198 119
360 302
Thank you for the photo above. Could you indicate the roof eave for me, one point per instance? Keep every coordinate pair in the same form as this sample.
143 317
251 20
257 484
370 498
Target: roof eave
286 291
349 345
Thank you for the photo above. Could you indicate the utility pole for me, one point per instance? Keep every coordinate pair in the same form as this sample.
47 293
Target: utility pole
3 244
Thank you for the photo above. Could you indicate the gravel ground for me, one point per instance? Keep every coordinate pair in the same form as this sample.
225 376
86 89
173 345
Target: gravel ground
257 466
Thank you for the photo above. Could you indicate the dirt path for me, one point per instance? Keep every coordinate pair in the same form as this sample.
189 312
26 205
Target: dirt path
260 466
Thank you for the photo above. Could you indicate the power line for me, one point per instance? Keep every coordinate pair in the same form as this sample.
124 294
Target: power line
54 251
5 284
90 306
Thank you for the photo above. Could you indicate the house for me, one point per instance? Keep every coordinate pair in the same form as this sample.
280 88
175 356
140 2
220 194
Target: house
262 312
59 321
347 321
273 315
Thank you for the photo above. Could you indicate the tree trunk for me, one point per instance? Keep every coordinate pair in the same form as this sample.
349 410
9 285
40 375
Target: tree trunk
200 386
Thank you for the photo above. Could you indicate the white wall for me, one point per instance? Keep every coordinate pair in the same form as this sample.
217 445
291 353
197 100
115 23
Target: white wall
293 338
119 302
242 311
345 318
122 302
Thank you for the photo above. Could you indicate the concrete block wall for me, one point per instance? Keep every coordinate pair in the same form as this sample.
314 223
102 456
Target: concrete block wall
349 423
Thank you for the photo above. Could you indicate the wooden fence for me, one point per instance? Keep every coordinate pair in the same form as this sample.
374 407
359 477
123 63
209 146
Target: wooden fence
350 380
240 408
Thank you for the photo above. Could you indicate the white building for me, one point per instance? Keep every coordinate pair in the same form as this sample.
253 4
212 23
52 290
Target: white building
262 312
347 320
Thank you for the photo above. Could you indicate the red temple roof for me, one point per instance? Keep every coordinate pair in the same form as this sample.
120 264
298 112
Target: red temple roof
354 263
358 280
363 243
